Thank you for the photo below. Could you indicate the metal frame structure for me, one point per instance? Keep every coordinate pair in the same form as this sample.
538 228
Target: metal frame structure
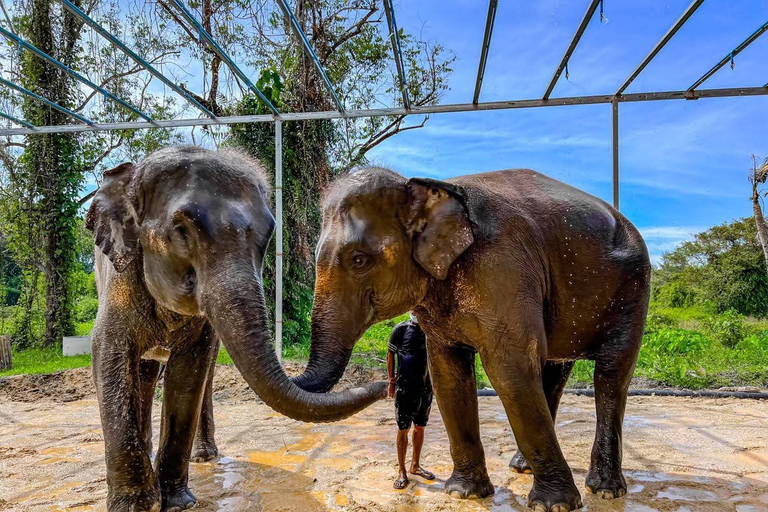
692 93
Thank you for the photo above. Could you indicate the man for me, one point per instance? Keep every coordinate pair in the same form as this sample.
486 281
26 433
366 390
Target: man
412 391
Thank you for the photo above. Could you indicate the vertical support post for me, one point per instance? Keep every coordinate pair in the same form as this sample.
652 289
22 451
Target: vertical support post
279 239
615 108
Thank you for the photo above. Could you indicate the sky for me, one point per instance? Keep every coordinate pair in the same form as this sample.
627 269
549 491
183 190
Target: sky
683 164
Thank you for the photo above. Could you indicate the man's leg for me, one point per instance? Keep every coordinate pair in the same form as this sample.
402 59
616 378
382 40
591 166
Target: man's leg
419 424
402 449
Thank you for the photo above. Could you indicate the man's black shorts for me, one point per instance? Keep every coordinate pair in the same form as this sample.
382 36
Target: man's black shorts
412 407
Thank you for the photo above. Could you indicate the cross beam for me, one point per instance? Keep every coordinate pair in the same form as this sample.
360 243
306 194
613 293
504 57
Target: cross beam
397 49
223 55
133 55
427 109
48 102
310 52
571 47
489 22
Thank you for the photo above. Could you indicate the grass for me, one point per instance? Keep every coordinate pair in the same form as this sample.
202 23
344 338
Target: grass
44 360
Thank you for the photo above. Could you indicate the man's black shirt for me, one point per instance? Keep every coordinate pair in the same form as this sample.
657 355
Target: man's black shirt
409 344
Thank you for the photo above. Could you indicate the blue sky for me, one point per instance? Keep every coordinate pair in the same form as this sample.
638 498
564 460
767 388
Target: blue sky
683 164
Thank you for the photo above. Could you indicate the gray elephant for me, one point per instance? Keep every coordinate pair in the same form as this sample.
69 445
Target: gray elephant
527 272
180 241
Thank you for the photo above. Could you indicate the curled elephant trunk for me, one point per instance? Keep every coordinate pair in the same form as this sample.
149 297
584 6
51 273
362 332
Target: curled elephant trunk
234 304
335 330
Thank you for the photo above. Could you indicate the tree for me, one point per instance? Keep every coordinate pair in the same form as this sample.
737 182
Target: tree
757 177
352 43
722 268
43 174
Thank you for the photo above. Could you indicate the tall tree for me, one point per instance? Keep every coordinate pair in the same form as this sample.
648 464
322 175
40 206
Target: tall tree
757 177
352 42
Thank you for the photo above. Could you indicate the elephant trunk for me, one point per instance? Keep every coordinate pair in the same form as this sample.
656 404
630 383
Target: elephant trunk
234 304
332 342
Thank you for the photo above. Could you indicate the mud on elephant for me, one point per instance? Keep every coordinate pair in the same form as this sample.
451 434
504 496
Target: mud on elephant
180 241
527 272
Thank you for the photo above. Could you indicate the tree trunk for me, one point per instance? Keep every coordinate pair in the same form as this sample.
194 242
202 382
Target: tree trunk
762 226
6 357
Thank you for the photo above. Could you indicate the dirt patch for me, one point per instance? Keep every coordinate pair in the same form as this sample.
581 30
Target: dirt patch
680 455
77 384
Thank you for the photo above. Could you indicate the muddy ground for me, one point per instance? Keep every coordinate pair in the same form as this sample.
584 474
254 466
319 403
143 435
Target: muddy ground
680 454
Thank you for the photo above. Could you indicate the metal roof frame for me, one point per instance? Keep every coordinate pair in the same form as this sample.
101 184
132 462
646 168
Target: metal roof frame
310 51
133 55
572 47
55 106
397 50
748 41
223 54
489 22
16 39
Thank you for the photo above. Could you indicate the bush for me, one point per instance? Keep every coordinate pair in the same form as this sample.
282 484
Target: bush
86 309
671 340
728 328
676 294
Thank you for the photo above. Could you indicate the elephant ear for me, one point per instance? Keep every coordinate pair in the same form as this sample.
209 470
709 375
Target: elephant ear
439 223
112 217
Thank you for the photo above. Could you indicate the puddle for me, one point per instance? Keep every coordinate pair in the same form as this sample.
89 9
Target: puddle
687 494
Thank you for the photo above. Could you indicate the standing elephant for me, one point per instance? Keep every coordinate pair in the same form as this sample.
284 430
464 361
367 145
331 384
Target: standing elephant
528 272
180 241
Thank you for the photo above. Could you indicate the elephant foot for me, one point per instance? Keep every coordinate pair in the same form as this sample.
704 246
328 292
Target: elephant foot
203 452
608 486
464 486
178 499
563 497
147 500
519 464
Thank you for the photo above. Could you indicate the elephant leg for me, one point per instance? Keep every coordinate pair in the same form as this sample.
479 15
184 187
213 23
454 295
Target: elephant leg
205 448
149 370
131 482
614 367
185 376
516 374
453 378
554 376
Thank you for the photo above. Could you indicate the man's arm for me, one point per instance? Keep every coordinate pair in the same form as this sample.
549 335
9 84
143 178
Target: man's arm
395 339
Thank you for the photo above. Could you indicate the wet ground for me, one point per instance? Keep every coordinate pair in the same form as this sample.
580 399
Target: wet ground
681 455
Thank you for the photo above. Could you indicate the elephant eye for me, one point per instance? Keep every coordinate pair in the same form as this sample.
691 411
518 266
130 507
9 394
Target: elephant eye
359 261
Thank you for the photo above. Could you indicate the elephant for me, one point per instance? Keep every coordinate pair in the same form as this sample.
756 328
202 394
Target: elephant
524 270
180 241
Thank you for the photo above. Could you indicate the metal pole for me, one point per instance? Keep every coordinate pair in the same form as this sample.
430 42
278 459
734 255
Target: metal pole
397 50
279 239
571 47
615 109
664 40
748 41
48 102
492 6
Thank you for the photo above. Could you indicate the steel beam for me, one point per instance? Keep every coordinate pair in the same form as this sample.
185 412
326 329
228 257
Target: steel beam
397 49
615 149
48 102
223 54
17 120
489 22
751 39
279 239
571 47
310 52
133 55
16 39
428 109
664 40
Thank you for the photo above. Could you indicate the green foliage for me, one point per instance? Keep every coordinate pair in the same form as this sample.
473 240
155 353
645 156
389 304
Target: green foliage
722 269
729 329
86 308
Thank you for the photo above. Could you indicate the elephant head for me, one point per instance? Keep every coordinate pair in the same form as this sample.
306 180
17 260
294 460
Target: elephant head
383 239
194 224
